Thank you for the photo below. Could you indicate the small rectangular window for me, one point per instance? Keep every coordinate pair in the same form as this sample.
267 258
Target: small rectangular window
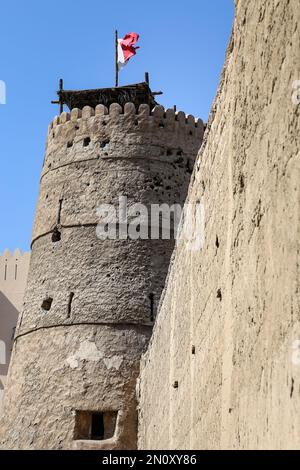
94 425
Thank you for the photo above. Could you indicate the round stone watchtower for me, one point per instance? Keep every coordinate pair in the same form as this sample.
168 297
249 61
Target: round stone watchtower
90 303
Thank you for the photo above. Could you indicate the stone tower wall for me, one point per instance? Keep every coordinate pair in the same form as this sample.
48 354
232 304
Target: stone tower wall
90 304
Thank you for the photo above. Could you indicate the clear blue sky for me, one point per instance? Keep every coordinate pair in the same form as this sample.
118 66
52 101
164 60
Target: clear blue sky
182 44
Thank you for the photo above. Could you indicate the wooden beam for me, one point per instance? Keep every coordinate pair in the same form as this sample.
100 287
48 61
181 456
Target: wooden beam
116 50
60 100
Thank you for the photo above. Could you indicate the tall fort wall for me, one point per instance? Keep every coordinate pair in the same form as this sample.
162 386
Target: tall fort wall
13 277
222 369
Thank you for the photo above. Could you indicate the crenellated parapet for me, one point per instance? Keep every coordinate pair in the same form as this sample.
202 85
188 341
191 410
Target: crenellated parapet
162 128
158 115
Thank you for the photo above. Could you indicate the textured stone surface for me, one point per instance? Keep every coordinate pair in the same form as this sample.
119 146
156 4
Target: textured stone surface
90 305
236 302
64 369
111 280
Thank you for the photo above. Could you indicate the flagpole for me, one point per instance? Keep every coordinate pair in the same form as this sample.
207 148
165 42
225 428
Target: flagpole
117 69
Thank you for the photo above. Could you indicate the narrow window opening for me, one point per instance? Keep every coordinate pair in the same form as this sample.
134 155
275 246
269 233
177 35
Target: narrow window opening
16 271
217 242
71 297
242 182
151 298
219 295
59 211
86 142
47 304
5 272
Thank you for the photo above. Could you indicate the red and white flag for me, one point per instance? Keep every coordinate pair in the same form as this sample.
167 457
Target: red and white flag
126 49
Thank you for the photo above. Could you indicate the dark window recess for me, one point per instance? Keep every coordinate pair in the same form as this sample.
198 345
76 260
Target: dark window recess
86 142
56 236
70 144
47 304
96 426
151 298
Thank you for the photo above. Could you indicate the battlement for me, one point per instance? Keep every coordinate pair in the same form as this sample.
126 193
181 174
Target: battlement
158 115
101 133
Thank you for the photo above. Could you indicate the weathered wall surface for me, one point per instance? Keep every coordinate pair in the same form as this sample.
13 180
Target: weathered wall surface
13 277
237 301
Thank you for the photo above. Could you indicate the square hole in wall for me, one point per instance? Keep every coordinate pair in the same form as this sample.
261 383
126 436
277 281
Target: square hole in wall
95 425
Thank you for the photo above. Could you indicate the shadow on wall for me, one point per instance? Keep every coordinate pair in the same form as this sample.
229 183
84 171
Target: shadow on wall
8 320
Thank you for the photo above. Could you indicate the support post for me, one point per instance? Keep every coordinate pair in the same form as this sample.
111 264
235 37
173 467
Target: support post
117 68
61 104
60 100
